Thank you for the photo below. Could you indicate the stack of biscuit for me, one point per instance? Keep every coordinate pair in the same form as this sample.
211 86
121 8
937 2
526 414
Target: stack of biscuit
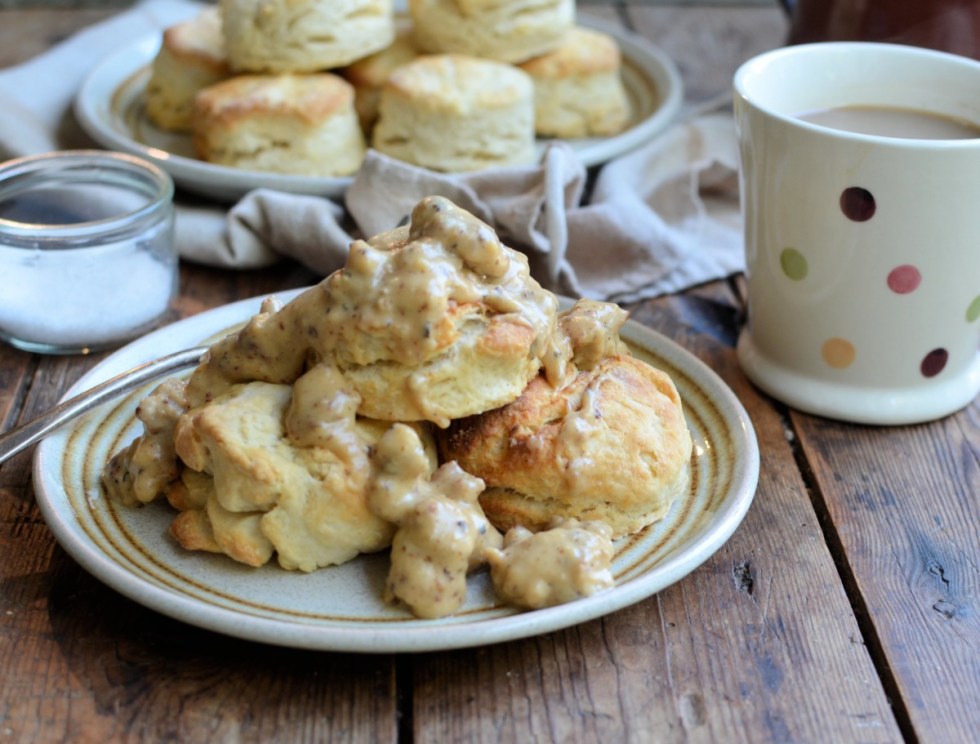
431 364
304 86
251 80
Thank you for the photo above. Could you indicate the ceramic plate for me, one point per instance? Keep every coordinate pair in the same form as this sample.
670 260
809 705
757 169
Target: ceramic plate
340 608
110 107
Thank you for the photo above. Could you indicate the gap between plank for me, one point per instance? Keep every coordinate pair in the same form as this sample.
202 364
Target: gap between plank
859 607
405 699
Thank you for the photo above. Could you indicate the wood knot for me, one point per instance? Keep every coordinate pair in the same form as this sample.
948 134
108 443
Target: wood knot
744 580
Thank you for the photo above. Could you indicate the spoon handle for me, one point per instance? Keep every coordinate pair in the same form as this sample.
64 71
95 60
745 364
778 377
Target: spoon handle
27 434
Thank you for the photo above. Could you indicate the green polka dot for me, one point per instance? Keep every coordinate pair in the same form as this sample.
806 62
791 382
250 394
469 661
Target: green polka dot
794 264
973 312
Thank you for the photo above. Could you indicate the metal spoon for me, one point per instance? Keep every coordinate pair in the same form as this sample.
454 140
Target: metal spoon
25 435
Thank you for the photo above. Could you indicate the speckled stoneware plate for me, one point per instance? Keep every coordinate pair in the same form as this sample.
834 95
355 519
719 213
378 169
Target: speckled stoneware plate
340 608
110 107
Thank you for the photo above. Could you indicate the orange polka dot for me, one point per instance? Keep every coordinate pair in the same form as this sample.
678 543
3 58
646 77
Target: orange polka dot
838 353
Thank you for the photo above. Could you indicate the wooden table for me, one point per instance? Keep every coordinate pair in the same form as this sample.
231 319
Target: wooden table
844 609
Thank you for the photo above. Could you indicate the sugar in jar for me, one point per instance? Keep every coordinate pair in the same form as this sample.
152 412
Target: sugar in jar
87 254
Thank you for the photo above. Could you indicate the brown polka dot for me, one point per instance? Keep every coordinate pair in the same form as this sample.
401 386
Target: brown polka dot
934 362
857 204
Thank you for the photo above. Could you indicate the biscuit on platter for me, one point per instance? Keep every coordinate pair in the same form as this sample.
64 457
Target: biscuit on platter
367 75
297 124
191 57
456 113
578 90
504 30
304 35
611 444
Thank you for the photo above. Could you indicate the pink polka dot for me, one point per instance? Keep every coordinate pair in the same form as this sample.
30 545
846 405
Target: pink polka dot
904 279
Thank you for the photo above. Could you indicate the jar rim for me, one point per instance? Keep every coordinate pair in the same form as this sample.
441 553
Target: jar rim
86 166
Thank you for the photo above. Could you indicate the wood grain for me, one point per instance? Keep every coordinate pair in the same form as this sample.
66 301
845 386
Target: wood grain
902 508
27 32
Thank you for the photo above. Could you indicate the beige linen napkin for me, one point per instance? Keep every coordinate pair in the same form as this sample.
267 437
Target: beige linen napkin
659 219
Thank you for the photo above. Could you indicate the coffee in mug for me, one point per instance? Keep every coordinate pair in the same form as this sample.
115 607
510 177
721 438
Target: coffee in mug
891 121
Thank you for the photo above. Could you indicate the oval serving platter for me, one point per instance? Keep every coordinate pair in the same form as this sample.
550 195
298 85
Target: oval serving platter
110 106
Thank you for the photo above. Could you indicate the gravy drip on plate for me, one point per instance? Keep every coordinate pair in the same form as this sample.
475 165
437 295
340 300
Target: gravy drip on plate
569 561
442 533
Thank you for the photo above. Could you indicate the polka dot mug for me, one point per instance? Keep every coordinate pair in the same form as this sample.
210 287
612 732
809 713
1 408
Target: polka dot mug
862 243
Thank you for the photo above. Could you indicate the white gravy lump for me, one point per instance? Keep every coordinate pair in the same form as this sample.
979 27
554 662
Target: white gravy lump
442 533
141 472
570 560
592 328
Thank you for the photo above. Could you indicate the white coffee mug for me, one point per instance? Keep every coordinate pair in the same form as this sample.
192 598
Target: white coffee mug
862 250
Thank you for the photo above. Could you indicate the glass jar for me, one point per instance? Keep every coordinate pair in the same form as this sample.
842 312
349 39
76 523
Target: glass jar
87 255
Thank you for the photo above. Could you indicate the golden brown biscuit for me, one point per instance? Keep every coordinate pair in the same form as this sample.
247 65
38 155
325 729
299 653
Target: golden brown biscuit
270 473
297 124
456 113
191 57
429 322
611 445
503 30
578 89
304 35
369 74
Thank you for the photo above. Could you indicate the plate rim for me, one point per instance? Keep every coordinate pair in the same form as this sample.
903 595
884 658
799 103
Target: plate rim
228 183
420 636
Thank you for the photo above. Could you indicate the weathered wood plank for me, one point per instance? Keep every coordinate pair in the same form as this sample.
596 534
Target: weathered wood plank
114 671
15 375
903 508
27 32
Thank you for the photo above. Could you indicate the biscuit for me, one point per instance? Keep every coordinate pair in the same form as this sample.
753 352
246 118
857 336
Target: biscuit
367 75
304 35
503 30
257 486
191 57
578 89
455 113
297 124
611 444
429 322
